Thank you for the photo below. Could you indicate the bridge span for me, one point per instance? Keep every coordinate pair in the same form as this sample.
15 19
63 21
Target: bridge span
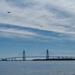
37 58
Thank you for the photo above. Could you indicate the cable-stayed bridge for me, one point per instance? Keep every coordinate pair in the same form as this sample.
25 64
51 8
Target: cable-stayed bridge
37 58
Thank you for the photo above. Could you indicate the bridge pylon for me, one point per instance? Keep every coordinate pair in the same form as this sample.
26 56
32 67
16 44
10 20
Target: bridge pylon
47 54
24 57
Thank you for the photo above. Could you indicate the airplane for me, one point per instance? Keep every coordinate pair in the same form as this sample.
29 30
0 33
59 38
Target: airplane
8 12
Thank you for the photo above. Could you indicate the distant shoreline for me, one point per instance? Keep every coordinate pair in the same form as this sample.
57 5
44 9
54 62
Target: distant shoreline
43 60
52 59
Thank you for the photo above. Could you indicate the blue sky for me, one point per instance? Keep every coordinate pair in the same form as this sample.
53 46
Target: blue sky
37 25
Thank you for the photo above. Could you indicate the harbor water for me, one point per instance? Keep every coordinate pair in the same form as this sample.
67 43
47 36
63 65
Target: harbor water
37 67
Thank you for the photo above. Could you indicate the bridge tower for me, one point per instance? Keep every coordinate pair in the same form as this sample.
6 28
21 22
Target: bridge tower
47 54
24 57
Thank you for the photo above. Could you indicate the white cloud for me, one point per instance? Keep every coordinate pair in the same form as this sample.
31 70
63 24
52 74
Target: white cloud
17 33
12 32
50 15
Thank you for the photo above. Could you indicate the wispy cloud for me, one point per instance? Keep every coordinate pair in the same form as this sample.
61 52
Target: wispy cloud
25 33
49 15
10 32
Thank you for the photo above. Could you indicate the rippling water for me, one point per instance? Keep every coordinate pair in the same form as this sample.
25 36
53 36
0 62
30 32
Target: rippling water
37 67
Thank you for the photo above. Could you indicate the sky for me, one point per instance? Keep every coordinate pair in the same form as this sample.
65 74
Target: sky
37 25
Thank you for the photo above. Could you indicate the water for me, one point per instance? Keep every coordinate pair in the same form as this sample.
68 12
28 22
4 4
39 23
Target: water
37 67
